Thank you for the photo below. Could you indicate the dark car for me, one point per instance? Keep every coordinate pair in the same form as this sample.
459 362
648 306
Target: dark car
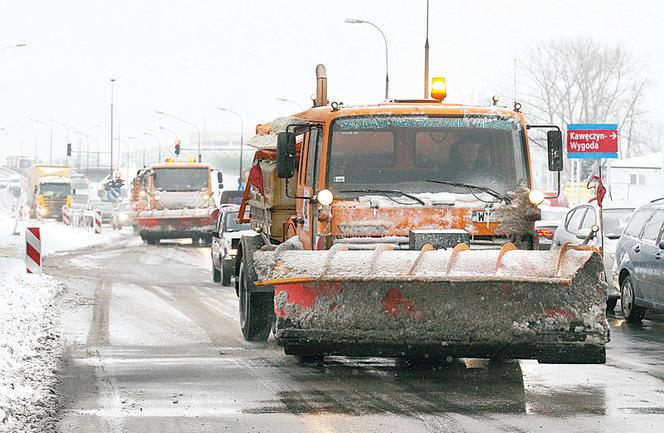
639 266
225 240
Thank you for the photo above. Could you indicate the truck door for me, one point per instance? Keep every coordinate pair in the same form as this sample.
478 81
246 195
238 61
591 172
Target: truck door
308 180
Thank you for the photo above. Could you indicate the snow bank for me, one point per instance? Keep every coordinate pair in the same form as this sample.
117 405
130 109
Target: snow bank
29 348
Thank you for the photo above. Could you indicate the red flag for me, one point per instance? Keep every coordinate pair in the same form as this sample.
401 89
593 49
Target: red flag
256 177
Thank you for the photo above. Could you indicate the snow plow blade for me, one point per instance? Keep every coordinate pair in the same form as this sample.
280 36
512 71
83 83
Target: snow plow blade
176 223
508 303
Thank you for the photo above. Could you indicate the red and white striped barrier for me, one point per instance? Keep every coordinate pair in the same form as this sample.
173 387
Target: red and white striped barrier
98 222
33 250
66 216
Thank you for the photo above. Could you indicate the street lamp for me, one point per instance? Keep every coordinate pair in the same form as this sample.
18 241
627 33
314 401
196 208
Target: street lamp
158 143
112 89
387 76
200 158
143 143
50 145
12 46
240 180
292 102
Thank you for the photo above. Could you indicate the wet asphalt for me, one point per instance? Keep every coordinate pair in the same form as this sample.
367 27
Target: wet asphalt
153 345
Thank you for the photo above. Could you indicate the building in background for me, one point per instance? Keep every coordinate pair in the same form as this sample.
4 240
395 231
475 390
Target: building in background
636 179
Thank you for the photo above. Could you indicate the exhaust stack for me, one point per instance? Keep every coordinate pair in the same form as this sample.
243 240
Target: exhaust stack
321 86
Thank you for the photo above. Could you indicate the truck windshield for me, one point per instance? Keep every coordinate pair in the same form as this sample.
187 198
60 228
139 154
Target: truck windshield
181 179
59 190
403 152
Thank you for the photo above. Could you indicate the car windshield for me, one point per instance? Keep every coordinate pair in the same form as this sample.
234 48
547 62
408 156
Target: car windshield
55 189
103 205
232 226
181 179
615 220
403 152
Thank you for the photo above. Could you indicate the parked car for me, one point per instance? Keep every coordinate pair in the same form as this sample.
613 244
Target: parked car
122 216
577 226
551 218
225 240
639 267
105 207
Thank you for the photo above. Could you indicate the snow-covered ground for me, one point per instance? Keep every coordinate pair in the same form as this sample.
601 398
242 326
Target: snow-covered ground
29 322
29 347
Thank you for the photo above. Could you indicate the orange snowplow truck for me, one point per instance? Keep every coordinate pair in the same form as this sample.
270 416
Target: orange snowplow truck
381 231
173 200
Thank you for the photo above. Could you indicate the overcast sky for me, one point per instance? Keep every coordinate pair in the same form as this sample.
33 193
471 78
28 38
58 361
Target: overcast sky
189 57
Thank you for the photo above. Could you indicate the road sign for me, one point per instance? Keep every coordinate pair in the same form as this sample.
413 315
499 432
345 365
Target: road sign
591 140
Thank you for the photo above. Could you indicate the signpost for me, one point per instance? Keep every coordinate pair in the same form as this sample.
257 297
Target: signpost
593 141
590 140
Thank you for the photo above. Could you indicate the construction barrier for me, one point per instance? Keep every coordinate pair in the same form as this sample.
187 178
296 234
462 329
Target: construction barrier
97 218
66 217
33 262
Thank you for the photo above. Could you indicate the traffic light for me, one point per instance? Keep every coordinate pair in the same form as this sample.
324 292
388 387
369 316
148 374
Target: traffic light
177 147
68 149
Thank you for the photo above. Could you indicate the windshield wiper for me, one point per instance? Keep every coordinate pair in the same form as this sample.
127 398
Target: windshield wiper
385 192
470 187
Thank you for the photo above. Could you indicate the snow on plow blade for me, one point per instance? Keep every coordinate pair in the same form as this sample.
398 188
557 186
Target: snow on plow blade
176 222
544 305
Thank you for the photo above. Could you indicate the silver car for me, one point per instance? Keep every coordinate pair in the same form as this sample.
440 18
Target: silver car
577 225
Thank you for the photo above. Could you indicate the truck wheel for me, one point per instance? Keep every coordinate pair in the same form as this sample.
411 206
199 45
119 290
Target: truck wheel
630 310
151 241
256 310
216 275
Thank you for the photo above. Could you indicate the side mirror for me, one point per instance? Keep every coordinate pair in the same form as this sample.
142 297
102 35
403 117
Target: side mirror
73 192
220 179
661 245
215 234
582 233
285 155
613 236
35 189
554 141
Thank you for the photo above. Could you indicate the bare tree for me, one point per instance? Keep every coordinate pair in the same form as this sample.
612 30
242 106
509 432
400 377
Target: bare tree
583 81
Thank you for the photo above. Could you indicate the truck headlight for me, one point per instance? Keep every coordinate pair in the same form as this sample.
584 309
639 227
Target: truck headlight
325 197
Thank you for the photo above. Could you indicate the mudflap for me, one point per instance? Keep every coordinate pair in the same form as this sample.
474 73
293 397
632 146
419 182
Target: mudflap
541 305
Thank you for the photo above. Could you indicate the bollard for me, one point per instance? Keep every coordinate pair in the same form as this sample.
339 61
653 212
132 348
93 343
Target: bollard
33 250
97 220
66 215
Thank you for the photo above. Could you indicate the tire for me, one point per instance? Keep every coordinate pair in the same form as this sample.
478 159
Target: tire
310 358
151 241
611 303
256 310
216 275
226 274
632 312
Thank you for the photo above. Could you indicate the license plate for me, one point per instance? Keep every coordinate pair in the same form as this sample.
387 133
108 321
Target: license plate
481 216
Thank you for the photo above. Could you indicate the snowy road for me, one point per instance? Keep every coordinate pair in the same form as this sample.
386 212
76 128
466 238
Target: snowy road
152 345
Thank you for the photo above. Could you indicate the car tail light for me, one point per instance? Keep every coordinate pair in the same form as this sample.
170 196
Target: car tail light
546 233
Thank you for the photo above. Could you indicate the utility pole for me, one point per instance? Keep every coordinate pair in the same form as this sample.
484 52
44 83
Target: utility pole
426 58
112 89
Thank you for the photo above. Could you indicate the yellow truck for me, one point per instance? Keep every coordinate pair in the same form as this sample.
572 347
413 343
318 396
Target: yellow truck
49 189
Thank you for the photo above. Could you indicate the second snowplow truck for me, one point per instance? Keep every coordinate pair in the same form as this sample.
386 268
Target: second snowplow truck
384 230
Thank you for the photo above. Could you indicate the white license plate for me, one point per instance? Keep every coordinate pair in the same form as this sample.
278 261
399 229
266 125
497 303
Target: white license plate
481 217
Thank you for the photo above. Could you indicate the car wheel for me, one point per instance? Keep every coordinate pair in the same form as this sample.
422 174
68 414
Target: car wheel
226 274
630 310
256 310
611 303
216 275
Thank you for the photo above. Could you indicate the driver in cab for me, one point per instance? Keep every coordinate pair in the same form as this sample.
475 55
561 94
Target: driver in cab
468 162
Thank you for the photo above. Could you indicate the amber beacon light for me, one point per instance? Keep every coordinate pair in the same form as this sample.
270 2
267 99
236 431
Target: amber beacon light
438 88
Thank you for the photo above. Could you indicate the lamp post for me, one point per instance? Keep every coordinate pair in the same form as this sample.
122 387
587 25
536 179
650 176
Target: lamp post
240 180
200 158
292 102
12 46
158 143
387 76
50 145
112 90
143 143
